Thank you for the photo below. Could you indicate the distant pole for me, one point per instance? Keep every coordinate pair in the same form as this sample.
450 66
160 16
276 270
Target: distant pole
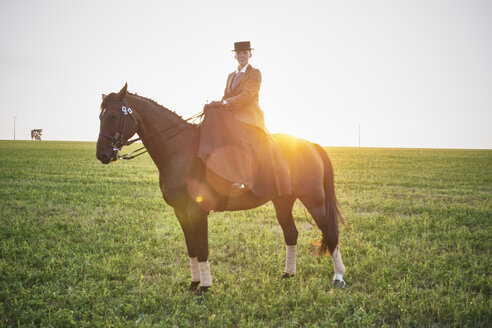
14 117
359 134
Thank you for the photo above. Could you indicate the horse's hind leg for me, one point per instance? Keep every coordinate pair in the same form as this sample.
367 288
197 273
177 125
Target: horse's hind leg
339 268
283 207
316 207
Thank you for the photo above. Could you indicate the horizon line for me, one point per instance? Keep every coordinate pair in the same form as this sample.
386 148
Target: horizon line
325 146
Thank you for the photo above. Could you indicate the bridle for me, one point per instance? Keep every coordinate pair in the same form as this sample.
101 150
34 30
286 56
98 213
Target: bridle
118 140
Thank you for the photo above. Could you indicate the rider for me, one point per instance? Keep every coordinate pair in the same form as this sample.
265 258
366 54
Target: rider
242 88
234 142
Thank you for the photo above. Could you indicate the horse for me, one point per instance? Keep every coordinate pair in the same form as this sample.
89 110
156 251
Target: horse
191 189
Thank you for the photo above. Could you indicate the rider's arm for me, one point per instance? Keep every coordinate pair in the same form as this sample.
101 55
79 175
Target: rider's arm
227 84
249 92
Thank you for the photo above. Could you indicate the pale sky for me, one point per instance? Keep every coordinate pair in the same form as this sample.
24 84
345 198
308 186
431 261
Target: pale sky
414 73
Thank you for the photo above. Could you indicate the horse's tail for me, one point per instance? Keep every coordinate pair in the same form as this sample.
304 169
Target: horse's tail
329 240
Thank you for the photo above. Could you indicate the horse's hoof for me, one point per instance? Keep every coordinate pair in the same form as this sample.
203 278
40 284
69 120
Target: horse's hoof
201 291
285 276
194 285
340 284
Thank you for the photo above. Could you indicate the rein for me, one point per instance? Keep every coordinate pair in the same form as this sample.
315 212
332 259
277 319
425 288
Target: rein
118 141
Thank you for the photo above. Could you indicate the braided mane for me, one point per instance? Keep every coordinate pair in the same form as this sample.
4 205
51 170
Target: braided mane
158 105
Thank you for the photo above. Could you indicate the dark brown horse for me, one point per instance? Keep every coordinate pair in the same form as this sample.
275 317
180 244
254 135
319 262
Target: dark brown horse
192 190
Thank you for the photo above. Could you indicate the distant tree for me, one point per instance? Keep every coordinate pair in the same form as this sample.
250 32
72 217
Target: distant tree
36 134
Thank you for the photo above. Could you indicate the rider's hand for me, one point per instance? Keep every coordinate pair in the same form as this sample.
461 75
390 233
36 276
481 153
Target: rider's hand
216 104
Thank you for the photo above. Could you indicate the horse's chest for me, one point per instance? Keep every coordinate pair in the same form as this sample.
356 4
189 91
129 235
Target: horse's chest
173 183
172 195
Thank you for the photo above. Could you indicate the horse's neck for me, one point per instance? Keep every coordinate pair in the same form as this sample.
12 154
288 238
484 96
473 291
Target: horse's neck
153 117
157 127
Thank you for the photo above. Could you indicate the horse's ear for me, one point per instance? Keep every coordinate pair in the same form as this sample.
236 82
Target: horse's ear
122 92
103 96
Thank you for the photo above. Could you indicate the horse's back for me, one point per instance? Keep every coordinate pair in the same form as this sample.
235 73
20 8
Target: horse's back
305 163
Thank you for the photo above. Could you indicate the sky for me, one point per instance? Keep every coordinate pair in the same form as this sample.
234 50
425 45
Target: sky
413 74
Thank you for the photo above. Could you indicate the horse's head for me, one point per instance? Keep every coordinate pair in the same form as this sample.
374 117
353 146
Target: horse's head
118 124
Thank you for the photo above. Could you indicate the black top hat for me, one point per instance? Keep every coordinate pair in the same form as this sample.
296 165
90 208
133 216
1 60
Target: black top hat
242 45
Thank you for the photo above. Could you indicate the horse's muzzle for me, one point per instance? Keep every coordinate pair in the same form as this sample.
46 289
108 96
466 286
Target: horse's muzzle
103 158
106 159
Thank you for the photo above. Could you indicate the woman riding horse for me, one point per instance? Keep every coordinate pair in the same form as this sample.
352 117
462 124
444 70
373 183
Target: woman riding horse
234 143
239 166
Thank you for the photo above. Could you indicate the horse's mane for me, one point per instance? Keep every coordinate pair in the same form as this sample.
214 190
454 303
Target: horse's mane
159 106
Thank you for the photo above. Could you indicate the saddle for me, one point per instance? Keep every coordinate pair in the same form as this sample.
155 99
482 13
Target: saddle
245 156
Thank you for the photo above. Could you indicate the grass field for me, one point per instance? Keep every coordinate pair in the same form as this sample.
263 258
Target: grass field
87 245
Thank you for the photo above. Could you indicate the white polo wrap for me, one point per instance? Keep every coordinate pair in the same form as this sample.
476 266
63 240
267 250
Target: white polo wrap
290 259
337 261
205 277
195 269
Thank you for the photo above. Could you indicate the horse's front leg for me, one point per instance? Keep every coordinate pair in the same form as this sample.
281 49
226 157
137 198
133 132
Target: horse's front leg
199 222
186 226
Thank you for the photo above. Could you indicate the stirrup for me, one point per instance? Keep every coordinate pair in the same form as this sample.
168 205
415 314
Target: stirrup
237 189
238 185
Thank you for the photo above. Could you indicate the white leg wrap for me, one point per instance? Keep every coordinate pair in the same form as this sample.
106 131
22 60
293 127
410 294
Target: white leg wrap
290 259
337 262
205 277
338 276
195 269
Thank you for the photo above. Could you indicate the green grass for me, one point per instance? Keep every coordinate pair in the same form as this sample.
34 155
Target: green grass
88 245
